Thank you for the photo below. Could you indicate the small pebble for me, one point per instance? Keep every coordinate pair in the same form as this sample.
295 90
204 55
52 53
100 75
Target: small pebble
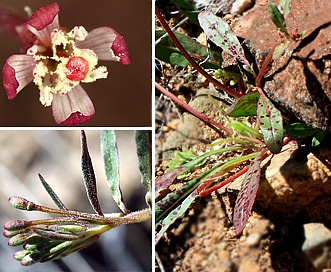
240 6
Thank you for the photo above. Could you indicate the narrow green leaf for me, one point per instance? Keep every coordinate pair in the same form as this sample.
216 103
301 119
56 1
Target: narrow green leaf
173 216
52 194
276 16
244 106
271 124
284 7
166 51
221 34
144 152
245 130
299 130
89 177
246 197
111 163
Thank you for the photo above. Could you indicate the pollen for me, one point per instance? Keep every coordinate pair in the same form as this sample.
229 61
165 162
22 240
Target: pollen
78 68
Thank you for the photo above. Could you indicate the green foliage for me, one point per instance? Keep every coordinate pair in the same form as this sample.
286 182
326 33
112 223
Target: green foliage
227 77
277 16
144 153
53 238
181 157
301 130
111 163
271 121
222 35
244 106
166 51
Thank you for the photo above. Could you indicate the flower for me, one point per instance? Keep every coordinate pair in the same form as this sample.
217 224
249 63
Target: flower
57 60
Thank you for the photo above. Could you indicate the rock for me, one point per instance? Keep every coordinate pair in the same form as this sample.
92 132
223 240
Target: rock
317 245
300 79
292 186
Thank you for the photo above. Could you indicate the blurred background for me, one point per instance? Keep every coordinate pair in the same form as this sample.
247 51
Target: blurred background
56 156
124 98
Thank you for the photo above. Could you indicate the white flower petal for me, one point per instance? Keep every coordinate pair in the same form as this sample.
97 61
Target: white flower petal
17 73
100 40
43 21
73 107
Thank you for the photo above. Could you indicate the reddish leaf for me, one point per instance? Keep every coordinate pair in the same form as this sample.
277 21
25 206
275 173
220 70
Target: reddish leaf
246 196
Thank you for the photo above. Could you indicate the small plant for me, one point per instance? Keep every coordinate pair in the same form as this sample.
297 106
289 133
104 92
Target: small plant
53 238
264 135
58 60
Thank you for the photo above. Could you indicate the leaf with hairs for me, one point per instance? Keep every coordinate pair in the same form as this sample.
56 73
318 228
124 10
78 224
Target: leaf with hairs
221 34
111 164
52 194
89 177
144 152
247 195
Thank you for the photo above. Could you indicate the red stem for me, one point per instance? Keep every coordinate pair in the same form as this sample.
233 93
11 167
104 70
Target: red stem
224 88
191 110
232 178
264 66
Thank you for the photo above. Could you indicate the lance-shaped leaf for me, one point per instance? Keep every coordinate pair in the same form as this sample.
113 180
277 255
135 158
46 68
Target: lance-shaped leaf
173 216
89 177
246 196
277 17
111 163
271 124
144 152
244 106
221 34
52 194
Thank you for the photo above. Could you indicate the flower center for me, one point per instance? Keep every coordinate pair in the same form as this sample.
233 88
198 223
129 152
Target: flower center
77 68
63 66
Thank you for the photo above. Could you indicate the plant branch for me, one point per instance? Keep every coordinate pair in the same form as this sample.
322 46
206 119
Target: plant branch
191 110
218 84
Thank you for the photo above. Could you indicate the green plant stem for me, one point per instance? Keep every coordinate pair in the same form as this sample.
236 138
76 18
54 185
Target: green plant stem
218 84
191 110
